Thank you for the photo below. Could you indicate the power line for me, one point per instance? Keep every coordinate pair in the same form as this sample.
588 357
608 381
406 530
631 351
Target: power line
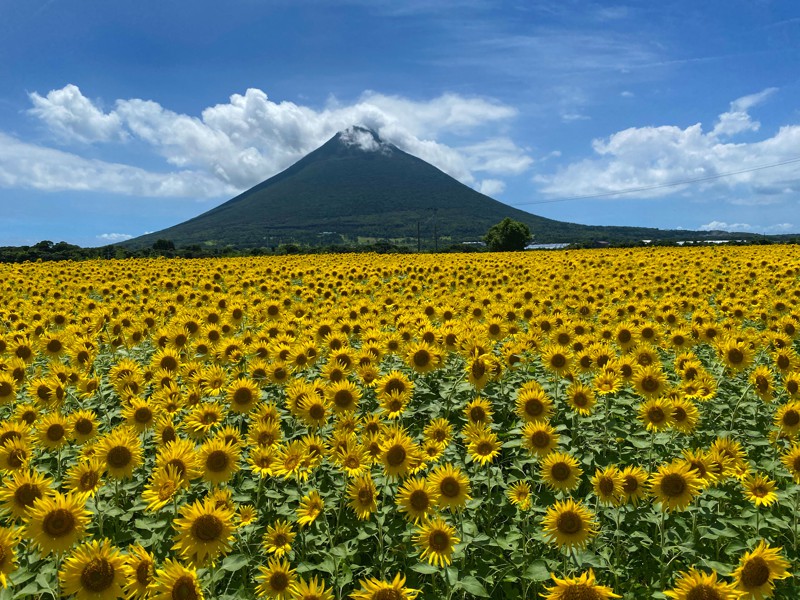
662 185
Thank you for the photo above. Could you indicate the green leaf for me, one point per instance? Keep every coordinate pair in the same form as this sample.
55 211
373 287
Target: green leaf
473 586
425 569
537 571
234 562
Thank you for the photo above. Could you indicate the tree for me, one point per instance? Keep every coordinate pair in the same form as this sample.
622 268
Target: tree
508 235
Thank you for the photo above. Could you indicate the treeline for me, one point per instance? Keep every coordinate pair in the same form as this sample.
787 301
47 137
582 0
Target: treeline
49 251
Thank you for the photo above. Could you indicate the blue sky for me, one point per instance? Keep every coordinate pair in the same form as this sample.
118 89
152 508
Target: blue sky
118 119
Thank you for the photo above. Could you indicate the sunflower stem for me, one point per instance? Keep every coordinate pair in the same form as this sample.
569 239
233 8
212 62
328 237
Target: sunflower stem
663 547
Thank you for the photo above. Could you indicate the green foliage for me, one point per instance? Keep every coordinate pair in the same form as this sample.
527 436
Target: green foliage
508 236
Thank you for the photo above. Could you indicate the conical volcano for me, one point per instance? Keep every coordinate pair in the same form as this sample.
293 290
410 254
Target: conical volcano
359 188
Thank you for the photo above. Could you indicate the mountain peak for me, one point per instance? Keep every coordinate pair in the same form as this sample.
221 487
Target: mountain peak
364 139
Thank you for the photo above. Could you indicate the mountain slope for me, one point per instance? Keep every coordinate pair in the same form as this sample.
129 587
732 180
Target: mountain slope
357 187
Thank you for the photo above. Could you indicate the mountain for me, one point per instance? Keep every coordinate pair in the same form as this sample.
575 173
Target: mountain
358 188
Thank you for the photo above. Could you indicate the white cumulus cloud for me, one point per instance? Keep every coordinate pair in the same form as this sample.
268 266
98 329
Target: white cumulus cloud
491 187
251 137
659 157
72 115
723 226
112 238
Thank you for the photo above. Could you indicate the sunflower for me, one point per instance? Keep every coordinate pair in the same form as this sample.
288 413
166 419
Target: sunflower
417 498
423 357
695 584
760 490
519 494
15 454
583 587
656 414
311 507
204 417
8 388
561 472
120 452
634 479
481 368
758 570
82 425
484 447
608 485
314 589
436 539
289 459
399 454
675 485
539 438
377 589
606 382
204 532
787 417
27 413
275 580
94 570
314 411
791 383
139 572
439 430
219 460
278 537
649 381
452 485
362 494
569 524
735 354
791 460
581 398
394 383
533 404
479 411
242 395
699 462
685 414
343 396
161 488
22 489
176 581
181 454
556 359
265 434
763 383
9 538
55 522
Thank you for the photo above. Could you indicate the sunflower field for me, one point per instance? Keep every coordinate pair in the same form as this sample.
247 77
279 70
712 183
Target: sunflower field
570 425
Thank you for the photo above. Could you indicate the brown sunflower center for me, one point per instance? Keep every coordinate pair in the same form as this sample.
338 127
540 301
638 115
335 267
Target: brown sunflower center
540 439
217 461
395 385
580 591
88 480
606 486
558 361
143 572
55 433
207 528
343 399
6 389
26 494
450 487
419 500
243 396
650 384
439 541
673 485
143 415
184 588
316 411
560 471
119 457
58 523
630 484
388 594
280 540
84 426
365 496
791 418
703 592
569 522
655 414
735 356
396 455
278 581
484 448
17 458
422 358
98 575
54 346
534 407
477 414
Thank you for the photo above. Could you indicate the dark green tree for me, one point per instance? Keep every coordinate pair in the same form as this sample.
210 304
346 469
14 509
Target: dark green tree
508 235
